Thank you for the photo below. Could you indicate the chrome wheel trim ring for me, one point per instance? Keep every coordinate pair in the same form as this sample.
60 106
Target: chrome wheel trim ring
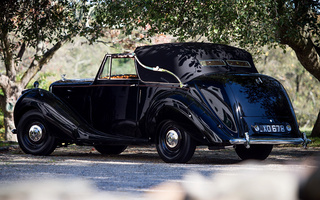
172 138
35 133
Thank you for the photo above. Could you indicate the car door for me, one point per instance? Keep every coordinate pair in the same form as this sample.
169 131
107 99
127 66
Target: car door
114 98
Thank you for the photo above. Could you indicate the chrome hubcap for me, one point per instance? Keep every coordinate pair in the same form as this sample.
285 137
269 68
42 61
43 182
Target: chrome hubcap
35 133
172 139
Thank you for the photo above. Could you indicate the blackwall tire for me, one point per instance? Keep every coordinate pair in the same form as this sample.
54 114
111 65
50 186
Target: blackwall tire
255 152
110 149
174 144
33 134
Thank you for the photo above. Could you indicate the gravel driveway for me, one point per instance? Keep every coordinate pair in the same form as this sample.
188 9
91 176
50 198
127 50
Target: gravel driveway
139 170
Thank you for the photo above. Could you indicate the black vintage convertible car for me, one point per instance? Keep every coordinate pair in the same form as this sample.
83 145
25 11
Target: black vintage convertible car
176 96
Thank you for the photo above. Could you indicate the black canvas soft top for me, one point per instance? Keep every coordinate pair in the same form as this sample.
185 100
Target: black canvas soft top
184 60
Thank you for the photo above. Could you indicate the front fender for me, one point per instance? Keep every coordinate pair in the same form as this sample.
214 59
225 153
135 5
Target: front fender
57 114
64 122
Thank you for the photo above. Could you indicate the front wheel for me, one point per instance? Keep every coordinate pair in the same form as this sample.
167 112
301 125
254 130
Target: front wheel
174 144
33 134
256 152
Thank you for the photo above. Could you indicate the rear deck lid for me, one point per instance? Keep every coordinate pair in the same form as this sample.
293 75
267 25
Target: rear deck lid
263 106
252 103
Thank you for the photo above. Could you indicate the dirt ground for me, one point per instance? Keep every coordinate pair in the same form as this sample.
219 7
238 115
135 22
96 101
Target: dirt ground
139 171
279 154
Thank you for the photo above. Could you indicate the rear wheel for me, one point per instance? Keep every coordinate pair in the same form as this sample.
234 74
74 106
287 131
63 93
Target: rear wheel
256 152
33 134
174 144
109 149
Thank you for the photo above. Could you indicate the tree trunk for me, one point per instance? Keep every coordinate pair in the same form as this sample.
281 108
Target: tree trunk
295 33
308 56
316 128
7 105
12 89
11 94
9 125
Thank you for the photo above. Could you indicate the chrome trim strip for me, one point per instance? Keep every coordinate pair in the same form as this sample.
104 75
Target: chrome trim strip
268 141
158 69
247 143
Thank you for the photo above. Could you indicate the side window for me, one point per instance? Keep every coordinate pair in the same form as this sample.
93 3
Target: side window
106 69
123 68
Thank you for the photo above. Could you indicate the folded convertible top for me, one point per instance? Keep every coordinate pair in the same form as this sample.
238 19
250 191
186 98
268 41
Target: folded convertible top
185 60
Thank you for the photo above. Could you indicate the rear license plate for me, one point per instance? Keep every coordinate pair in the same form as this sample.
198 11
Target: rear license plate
272 129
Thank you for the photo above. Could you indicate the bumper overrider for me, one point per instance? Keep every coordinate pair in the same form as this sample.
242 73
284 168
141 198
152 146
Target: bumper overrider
247 141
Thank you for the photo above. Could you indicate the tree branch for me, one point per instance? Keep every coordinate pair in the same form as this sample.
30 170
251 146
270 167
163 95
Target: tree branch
4 81
36 66
8 56
21 51
307 54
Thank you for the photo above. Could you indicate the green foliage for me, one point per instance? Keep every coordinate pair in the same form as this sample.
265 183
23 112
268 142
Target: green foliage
250 22
315 141
44 80
31 22
7 144
80 59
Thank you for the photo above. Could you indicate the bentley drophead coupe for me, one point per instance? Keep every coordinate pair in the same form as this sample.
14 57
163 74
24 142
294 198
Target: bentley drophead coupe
173 96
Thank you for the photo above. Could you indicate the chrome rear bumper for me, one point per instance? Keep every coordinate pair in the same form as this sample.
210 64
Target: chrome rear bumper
247 141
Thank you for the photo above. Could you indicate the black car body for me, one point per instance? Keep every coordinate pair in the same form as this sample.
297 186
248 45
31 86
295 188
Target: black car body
176 96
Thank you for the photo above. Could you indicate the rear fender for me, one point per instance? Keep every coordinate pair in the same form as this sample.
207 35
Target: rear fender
199 122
